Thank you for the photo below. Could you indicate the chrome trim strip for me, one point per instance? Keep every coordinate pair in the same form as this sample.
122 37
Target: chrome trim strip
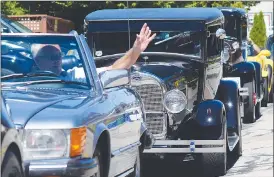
166 54
36 34
33 167
94 76
126 173
187 142
126 148
186 150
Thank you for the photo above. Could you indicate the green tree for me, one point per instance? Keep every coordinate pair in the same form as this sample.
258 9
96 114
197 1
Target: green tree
12 8
258 31
77 10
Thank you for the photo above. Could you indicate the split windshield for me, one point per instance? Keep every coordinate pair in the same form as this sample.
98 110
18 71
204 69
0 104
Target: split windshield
169 39
236 27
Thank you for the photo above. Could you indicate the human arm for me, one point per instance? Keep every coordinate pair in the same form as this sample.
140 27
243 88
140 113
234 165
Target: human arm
131 56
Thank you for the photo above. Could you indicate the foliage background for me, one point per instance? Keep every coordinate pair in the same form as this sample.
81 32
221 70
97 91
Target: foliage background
77 10
258 31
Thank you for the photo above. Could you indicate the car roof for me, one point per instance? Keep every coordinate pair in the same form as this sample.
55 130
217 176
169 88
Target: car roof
232 10
201 14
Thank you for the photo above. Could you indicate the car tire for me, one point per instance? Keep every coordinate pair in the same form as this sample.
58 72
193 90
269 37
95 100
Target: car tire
249 115
11 166
266 94
215 164
138 170
98 157
271 94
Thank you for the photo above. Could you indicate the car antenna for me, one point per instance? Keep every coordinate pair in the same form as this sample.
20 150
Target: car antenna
128 30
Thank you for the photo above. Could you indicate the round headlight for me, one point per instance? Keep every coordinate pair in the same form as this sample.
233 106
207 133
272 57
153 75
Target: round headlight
175 101
45 144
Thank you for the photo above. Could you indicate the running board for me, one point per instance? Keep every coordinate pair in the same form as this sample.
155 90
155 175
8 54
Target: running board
232 140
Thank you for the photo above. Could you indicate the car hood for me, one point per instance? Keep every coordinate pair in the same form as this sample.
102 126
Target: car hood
169 73
27 103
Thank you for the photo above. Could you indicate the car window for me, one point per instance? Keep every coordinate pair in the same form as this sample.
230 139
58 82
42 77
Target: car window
41 58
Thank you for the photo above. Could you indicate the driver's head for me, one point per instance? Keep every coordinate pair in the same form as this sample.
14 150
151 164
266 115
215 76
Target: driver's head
47 57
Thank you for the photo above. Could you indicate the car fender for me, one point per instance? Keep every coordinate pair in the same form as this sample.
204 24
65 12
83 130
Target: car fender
11 137
93 135
211 120
228 93
210 113
258 78
243 67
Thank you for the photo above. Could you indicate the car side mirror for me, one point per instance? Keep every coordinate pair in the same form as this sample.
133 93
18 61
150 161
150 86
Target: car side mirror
265 53
114 78
5 30
220 33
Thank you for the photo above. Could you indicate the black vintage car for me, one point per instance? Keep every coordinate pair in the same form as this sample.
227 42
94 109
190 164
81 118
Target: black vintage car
249 72
192 113
11 148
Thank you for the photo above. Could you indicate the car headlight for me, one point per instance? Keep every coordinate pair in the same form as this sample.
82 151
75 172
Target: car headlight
175 101
46 144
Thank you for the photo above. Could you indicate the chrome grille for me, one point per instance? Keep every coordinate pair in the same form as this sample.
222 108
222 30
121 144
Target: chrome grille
151 93
156 123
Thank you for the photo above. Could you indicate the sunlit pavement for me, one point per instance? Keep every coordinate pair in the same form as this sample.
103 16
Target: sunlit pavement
257 159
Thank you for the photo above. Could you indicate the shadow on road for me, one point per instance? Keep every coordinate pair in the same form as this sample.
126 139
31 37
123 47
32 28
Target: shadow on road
173 168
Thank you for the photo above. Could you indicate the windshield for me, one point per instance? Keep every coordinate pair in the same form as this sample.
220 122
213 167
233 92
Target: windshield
230 26
18 26
236 27
180 42
42 59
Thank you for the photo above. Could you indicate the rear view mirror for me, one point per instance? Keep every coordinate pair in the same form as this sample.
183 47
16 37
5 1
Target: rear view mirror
114 78
220 33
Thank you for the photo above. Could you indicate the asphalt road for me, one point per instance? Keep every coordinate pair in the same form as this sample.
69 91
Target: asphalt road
257 159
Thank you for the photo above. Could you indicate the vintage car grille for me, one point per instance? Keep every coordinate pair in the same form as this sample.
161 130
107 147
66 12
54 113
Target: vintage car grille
156 123
151 93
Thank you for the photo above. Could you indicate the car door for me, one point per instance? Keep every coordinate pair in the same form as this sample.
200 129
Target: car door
124 125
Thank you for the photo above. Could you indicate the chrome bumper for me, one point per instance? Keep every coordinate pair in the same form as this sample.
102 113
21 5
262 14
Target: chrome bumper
61 167
205 146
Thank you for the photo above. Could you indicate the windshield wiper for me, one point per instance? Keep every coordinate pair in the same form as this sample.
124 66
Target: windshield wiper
55 81
32 74
180 35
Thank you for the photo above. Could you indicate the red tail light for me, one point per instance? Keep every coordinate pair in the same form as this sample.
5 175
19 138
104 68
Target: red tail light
254 98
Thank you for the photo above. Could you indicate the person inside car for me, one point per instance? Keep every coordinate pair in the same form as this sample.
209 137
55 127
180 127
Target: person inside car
48 57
